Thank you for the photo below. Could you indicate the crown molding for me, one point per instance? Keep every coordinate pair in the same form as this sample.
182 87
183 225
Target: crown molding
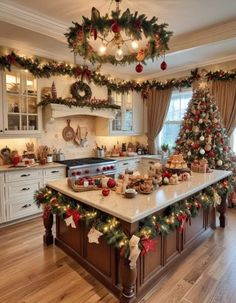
19 16
186 68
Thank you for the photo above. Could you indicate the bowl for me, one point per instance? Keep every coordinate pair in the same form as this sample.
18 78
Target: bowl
130 193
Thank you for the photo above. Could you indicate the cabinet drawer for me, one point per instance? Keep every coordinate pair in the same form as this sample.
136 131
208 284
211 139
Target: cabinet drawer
21 190
23 175
21 210
54 173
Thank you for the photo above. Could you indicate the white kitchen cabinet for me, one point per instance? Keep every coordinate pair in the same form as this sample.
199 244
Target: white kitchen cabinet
50 174
2 201
20 187
19 194
19 113
128 164
128 120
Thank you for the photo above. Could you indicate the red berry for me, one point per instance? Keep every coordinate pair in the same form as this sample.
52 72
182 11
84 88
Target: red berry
163 65
139 68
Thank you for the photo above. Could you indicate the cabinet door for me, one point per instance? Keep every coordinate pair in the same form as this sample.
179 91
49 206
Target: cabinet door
1 108
2 199
20 103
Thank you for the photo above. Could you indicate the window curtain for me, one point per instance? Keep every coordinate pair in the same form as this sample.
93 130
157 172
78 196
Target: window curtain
157 107
225 96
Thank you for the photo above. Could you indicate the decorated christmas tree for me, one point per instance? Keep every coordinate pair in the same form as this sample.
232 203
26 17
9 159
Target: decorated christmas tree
202 134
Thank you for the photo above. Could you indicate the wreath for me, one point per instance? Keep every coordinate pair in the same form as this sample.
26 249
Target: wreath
135 25
80 86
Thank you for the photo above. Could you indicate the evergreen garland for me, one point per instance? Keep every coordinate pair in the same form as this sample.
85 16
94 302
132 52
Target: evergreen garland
149 228
52 68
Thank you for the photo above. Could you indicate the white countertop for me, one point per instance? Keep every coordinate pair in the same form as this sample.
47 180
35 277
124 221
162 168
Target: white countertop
132 210
125 158
8 168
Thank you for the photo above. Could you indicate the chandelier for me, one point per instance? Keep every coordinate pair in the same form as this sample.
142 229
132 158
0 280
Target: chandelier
121 38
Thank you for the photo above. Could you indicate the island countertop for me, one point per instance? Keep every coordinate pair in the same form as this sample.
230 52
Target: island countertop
132 210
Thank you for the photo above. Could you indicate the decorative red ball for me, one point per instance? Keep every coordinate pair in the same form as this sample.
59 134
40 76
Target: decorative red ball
105 192
211 153
139 68
163 65
111 183
115 27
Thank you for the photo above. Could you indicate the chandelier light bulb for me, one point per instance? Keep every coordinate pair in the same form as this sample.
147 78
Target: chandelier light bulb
119 54
102 49
134 44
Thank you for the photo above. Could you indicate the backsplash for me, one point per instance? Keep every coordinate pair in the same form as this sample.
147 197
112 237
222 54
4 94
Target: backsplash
52 137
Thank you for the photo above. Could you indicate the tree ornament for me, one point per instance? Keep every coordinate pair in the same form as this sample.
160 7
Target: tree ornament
139 68
200 121
140 55
202 151
94 235
105 192
189 153
207 147
53 91
219 162
163 65
195 129
115 27
202 138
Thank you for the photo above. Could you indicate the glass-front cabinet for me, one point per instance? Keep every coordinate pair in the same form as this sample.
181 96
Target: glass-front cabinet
19 102
123 121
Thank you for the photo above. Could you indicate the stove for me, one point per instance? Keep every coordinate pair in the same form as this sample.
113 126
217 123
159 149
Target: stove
85 167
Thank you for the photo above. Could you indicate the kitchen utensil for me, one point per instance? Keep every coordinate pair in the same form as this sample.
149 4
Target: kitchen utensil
68 132
60 157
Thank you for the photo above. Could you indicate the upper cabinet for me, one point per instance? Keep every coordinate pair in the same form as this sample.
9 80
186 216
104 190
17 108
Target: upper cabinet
18 104
128 120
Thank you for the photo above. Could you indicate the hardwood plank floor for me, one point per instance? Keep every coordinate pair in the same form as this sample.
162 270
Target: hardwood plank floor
33 273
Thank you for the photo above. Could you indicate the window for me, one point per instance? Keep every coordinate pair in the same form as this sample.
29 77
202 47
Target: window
178 105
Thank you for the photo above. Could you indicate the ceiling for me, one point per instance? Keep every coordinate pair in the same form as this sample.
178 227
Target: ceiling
204 30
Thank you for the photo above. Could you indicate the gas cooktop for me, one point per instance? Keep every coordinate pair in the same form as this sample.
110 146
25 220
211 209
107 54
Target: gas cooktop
85 161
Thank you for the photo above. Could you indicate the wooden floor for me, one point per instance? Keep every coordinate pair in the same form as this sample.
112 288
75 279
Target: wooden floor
32 273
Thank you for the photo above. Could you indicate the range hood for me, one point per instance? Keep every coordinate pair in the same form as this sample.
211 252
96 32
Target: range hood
54 111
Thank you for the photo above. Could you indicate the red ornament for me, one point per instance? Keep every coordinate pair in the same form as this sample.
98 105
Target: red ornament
148 246
211 153
111 183
196 145
163 65
139 68
11 58
115 27
105 192
94 33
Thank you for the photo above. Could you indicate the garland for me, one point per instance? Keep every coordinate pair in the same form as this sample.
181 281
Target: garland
134 25
52 68
70 102
101 224
80 86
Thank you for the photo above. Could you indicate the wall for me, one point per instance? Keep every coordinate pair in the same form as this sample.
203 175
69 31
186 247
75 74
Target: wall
52 137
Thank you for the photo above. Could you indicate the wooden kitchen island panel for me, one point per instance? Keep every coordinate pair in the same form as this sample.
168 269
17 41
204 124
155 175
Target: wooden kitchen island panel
104 261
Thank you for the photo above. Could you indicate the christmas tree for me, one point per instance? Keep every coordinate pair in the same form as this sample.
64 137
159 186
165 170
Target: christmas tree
202 134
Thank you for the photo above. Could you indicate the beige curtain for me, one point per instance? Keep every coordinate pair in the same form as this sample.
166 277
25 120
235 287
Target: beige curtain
157 107
225 96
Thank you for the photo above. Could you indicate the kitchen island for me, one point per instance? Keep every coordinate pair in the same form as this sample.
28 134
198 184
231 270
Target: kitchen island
106 262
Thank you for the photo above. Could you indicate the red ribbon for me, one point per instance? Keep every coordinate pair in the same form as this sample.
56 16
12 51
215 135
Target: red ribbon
84 72
46 211
182 218
148 245
74 213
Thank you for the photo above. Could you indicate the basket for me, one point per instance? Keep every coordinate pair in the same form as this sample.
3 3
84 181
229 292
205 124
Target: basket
81 188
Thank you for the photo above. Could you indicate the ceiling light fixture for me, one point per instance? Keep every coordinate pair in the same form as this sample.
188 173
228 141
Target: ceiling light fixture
119 38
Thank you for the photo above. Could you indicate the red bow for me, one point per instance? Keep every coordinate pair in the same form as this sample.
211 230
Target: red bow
182 218
74 213
46 211
148 245
84 72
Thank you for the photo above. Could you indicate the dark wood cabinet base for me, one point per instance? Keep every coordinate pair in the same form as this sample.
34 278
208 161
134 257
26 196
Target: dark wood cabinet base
103 261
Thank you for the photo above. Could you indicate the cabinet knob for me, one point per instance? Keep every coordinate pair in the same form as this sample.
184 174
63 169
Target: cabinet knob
54 171
26 188
5 128
26 205
25 175
1 131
